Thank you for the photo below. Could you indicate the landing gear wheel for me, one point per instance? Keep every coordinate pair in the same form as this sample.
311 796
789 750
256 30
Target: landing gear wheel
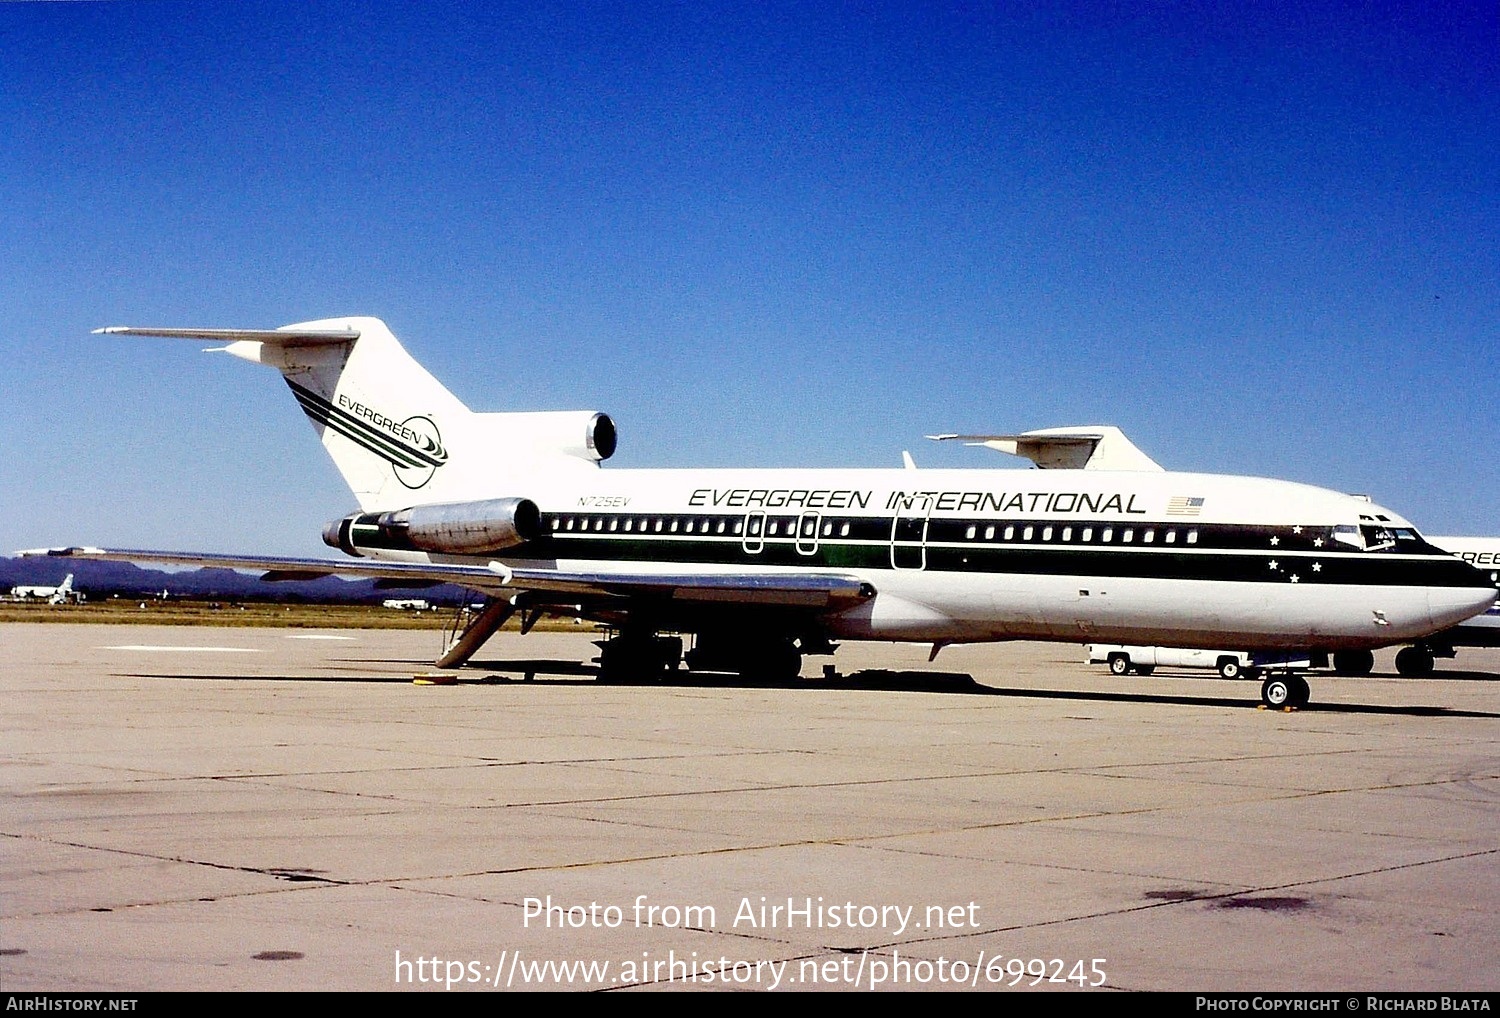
1119 664
627 659
1353 662
1414 662
1301 691
1229 668
779 661
1276 692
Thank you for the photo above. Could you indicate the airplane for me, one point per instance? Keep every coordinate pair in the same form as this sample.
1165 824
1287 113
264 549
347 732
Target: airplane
762 567
60 594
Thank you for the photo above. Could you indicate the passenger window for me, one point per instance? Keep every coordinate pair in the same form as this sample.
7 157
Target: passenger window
1088 533
1171 537
1010 532
1026 534
1107 535
1047 534
989 533
1067 533
628 525
1128 536
1148 537
1192 537
844 531
970 533
720 528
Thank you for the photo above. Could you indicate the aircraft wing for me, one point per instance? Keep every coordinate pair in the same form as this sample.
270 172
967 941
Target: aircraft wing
818 592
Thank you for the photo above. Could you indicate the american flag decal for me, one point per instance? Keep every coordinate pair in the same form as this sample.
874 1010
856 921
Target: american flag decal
1181 506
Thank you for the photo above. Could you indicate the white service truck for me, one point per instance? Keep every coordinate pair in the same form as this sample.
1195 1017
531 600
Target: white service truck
1230 664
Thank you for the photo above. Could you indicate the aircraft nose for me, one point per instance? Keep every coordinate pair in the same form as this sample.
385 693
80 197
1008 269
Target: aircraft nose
1448 606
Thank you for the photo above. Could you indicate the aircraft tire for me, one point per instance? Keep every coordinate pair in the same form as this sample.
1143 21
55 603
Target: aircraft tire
1119 664
778 662
1414 662
1229 668
1353 662
1276 692
639 659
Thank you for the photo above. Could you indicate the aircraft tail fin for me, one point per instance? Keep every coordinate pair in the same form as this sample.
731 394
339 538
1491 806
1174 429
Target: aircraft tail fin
396 434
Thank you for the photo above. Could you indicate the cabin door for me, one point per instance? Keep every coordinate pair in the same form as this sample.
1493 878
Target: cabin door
909 535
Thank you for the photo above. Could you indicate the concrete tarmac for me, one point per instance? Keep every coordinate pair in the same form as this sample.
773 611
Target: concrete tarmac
272 809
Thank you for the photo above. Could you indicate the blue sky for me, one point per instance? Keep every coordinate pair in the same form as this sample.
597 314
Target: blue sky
1261 238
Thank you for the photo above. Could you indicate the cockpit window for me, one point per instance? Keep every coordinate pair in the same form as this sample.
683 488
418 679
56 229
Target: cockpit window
1349 535
1379 538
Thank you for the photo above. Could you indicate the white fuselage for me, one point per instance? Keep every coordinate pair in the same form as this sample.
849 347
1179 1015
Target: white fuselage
983 555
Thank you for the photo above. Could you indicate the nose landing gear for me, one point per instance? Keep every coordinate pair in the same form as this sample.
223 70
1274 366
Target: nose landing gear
1280 691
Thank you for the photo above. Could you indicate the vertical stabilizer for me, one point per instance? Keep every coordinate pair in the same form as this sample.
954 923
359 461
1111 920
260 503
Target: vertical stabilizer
384 420
396 434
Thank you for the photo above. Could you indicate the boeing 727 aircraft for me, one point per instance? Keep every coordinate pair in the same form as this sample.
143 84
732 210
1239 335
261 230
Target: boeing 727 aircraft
760 567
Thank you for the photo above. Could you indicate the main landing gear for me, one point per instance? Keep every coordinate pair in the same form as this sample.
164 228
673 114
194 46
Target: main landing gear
1353 662
1415 662
1280 691
637 655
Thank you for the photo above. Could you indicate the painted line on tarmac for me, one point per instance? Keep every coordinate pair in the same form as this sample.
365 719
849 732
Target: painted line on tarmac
155 648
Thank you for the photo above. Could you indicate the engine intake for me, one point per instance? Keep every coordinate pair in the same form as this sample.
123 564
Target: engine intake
454 528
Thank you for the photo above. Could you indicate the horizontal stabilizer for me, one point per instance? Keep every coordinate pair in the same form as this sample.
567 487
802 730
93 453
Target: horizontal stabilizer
1090 448
277 337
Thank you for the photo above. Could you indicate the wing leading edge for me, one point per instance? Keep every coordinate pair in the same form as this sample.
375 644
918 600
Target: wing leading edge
818 592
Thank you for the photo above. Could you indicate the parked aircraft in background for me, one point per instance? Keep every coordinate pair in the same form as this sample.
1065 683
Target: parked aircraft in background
63 593
762 567
407 604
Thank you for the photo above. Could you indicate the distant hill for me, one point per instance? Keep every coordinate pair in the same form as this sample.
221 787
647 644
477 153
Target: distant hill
106 579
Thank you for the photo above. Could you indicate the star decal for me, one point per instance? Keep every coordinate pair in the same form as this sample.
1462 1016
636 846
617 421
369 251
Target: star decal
1273 565
1317 567
1275 541
1317 542
1296 530
1294 577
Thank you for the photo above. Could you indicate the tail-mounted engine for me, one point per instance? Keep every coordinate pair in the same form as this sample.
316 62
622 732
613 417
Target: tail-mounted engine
584 434
453 528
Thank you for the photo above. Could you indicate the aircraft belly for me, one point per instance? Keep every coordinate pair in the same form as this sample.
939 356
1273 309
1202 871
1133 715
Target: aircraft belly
924 606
